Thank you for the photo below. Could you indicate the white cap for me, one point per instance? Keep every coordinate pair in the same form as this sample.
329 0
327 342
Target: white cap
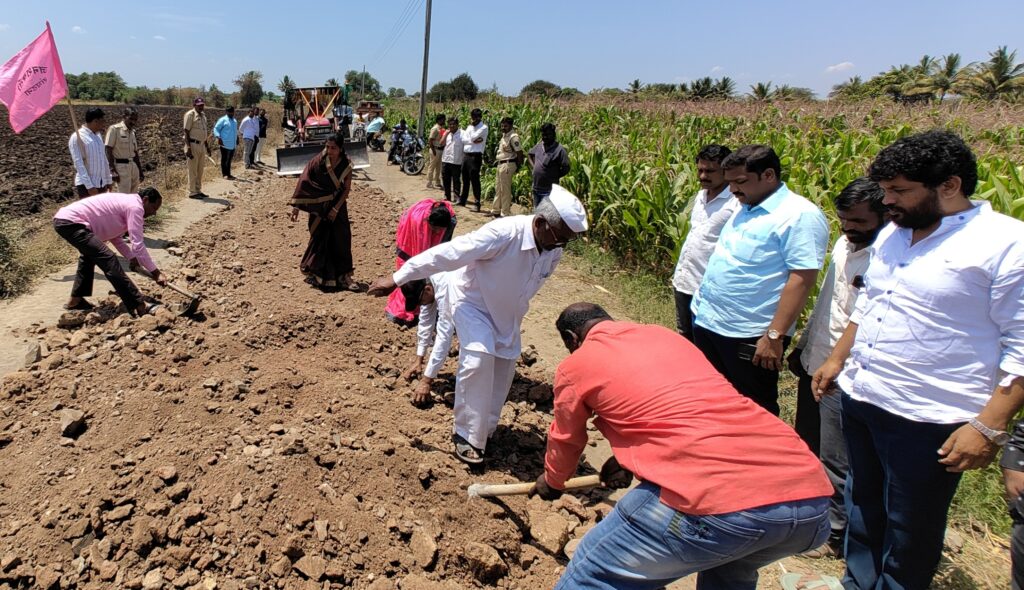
569 208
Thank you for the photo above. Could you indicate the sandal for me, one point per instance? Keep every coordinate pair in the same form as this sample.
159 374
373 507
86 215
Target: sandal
82 305
466 452
798 581
152 308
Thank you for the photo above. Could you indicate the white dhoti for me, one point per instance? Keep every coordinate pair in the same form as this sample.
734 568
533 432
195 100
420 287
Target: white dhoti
481 387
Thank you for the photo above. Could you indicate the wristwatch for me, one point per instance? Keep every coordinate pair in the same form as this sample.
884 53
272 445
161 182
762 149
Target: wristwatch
997 437
773 334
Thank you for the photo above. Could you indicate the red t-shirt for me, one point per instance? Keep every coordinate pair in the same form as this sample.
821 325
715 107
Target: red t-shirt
674 421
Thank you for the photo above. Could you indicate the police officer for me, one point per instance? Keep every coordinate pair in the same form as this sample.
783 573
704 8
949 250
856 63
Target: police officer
196 148
123 153
510 158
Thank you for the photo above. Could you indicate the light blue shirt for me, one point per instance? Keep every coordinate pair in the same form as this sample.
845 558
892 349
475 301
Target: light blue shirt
375 125
758 247
227 130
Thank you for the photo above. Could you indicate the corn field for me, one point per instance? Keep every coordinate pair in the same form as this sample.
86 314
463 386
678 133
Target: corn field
633 164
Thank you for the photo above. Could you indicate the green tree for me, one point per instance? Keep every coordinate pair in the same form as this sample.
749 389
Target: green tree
216 97
441 92
702 89
286 85
663 88
852 89
364 85
250 88
761 92
464 88
635 86
943 77
569 92
332 82
540 88
997 78
724 88
787 92
396 92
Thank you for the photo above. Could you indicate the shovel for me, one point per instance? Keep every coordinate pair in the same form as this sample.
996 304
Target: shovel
493 490
185 309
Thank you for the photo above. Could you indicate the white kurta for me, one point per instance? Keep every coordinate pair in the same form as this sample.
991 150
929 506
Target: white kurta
503 270
436 322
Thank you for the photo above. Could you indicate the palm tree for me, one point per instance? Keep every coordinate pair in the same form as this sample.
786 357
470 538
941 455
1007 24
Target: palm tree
761 92
285 84
851 89
332 82
724 88
635 86
702 88
684 90
944 77
787 92
997 78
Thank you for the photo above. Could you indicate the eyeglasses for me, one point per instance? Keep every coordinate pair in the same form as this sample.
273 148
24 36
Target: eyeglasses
560 241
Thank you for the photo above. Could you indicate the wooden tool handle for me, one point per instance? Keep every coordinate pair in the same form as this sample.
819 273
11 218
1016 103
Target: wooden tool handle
180 291
484 490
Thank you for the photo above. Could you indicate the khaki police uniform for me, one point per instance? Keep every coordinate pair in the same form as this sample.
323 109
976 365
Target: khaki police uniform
125 148
195 125
509 148
434 164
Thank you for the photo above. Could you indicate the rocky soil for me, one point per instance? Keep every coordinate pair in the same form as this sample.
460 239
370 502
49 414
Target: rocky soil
266 442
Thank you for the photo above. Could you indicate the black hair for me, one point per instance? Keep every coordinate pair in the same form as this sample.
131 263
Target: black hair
930 158
547 127
713 153
508 120
453 120
229 109
476 113
412 291
440 118
93 114
754 158
573 318
152 195
440 216
861 190
128 112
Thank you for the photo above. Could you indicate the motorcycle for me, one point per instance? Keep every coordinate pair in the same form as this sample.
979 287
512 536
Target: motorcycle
359 133
409 155
376 141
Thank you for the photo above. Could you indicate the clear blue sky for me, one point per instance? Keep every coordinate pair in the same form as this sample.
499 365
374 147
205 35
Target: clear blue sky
586 44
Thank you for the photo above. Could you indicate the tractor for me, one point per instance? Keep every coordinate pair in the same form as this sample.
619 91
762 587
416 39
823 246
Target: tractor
311 117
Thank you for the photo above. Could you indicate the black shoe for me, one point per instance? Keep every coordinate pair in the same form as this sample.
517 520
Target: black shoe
197 196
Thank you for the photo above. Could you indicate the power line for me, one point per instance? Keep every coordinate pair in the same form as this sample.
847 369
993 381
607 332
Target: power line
401 31
395 32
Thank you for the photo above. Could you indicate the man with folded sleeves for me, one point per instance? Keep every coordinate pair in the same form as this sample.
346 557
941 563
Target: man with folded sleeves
503 264
123 153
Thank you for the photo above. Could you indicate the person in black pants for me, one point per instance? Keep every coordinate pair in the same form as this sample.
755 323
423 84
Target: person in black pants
262 137
451 161
1012 463
475 138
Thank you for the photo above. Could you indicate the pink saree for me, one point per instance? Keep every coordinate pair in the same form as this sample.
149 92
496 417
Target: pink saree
413 236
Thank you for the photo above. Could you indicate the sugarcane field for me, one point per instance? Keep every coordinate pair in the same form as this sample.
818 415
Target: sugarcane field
569 303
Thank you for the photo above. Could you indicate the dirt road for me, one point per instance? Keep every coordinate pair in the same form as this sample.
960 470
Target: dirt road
267 443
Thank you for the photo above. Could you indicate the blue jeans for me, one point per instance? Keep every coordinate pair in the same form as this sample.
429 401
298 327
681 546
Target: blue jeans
897 494
646 544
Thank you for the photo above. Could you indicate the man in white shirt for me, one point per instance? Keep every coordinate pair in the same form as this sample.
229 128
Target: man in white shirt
861 216
451 161
250 129
936 358
475 141
505 263
712 207
435 297
89 155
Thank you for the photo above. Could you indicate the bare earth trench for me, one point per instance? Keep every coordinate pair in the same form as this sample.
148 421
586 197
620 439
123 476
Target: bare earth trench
267 443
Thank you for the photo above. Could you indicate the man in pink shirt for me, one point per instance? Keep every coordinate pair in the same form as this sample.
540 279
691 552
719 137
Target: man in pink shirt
726 487
88 223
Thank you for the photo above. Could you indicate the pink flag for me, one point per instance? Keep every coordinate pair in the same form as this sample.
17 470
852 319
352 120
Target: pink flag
32 81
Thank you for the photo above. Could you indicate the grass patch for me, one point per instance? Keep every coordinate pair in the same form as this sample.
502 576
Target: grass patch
647 298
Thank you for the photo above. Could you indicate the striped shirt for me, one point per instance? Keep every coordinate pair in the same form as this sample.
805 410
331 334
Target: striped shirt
97 173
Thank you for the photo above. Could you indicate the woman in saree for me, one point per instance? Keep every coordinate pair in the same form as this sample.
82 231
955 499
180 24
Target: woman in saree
424 225
322 192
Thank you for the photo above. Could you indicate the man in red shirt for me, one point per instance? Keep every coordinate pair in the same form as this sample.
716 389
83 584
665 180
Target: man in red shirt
726 487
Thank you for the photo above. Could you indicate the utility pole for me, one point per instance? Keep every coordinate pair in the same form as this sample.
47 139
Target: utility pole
423 85
362 85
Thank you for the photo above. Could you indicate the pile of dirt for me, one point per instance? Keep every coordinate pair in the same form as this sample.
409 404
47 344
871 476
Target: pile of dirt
266 442
36 168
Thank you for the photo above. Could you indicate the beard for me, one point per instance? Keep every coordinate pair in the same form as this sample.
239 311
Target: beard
925 214
862 238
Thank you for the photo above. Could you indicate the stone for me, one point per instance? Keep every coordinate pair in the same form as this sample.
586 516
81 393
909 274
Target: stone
311 567
282 567
540 393
570 547
276 429
424 548
47 578
146 348
237 502
192 513
9 561
484 562
153 580
178 492
72 422
320 526
34 354
292 547
168 473
529 356
107 570
52 362
212 384
70 320
550 531
147 323
78 338
120 513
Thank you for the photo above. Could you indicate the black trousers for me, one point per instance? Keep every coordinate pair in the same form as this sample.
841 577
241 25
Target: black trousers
226 156
808 413
684 317
471 177
1017 543
757 383
451 174
95 253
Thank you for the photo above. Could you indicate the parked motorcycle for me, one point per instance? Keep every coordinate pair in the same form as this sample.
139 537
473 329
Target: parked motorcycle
376 141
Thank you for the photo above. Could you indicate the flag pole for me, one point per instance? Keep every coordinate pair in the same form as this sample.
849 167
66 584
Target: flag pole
78 136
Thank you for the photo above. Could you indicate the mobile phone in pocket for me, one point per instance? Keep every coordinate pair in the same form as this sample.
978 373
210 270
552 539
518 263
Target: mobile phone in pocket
745 352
